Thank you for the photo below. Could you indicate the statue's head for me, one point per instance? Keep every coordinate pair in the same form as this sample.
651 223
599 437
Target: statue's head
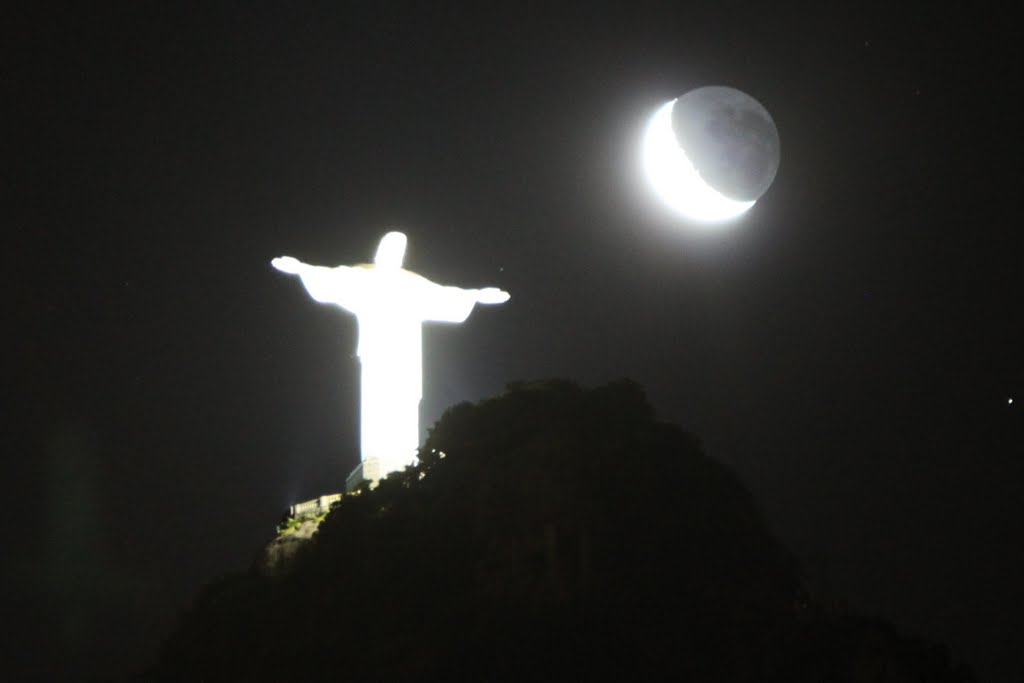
391 251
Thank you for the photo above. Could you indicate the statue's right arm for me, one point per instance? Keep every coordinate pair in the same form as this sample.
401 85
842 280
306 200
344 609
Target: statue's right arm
288 264
326 285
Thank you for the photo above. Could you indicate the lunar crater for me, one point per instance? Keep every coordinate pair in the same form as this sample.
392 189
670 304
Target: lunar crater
730 139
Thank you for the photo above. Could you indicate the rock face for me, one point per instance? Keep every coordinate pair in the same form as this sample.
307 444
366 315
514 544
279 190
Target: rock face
300 523
276 556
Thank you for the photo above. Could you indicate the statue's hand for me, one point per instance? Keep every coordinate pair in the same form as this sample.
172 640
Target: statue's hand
287 264
491 295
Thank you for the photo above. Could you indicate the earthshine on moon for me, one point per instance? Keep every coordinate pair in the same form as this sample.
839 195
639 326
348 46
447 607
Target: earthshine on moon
711 153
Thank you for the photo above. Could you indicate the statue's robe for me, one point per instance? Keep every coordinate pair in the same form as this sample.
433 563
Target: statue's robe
391 305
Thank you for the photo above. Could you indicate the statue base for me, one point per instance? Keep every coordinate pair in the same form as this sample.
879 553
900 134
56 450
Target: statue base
370 470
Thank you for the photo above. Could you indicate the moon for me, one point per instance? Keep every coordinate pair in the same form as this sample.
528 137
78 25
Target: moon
711 153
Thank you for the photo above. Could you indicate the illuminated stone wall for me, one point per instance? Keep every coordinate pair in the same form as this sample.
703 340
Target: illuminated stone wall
371 470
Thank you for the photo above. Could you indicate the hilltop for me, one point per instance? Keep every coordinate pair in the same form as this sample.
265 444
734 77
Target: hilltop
552 532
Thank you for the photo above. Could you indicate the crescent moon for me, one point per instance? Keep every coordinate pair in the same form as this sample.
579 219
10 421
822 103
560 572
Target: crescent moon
675 179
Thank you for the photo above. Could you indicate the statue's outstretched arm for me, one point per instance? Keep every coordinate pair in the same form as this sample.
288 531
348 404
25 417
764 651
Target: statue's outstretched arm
491 295
288 264
326 285
454 304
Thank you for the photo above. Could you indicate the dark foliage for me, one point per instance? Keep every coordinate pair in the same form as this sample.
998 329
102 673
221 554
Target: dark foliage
550 533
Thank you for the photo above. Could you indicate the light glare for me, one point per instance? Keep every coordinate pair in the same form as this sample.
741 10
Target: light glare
390 305
676 180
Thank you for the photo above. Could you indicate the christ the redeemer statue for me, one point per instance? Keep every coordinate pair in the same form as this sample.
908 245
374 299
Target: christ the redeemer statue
390 304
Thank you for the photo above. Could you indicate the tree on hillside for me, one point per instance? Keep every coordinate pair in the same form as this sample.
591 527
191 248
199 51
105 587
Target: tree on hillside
549 533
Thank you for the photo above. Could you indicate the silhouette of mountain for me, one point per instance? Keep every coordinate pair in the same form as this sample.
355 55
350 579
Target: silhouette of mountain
550 533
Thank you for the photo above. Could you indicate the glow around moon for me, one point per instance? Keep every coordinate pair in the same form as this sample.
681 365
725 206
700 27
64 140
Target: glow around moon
676 180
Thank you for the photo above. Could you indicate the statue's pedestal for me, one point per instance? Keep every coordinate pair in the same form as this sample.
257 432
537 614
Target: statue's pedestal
370 470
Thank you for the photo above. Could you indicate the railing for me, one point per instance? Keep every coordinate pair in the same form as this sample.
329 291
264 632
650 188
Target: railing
314 507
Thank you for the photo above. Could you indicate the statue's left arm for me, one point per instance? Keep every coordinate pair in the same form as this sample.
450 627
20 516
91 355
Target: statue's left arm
454 304
491 295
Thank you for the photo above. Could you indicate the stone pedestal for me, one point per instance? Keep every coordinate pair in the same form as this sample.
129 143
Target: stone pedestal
368 470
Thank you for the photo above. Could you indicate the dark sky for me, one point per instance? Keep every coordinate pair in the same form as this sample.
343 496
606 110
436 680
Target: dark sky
849 346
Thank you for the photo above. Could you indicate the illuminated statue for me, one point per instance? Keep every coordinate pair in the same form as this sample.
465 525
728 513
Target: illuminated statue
390 304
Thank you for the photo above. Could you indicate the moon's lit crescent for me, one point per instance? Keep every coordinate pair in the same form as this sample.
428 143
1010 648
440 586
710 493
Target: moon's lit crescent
676 180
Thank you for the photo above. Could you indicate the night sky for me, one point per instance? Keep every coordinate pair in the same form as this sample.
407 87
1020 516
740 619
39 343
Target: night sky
850 346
